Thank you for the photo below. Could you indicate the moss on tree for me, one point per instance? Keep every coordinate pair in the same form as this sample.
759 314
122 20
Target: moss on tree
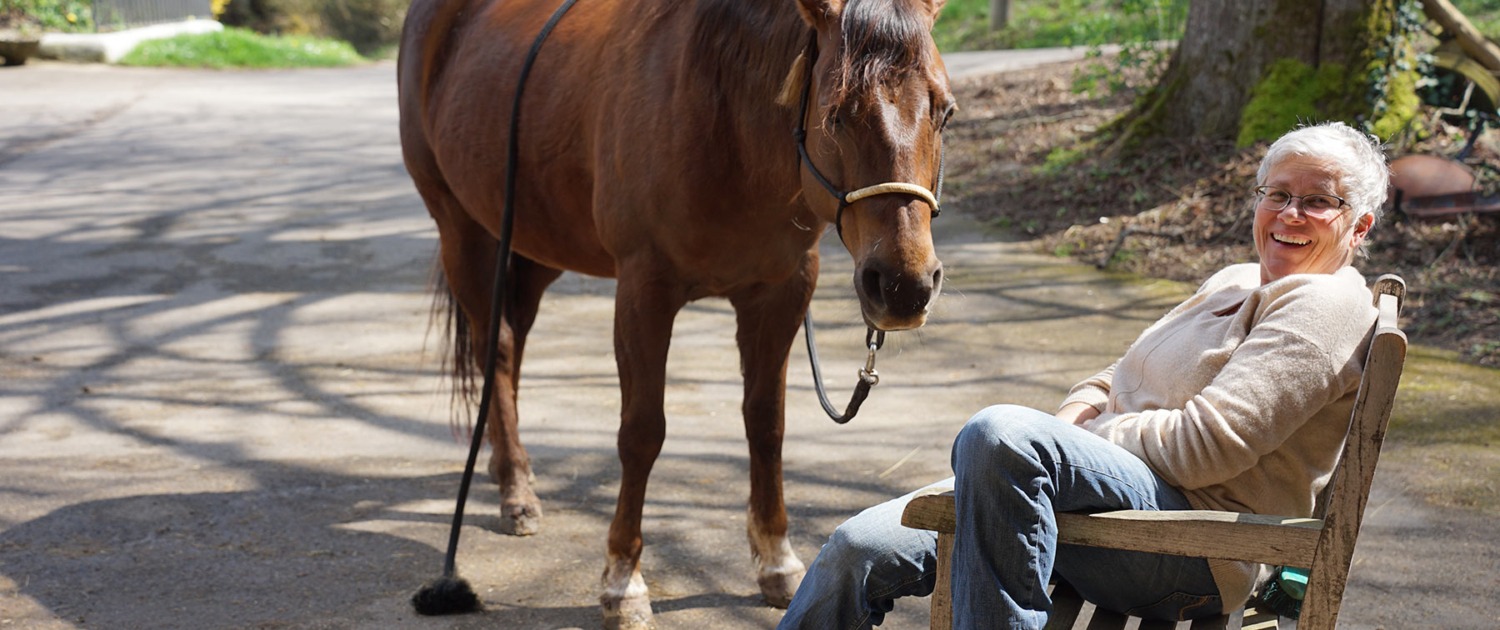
1380 95
1363 72
1290 93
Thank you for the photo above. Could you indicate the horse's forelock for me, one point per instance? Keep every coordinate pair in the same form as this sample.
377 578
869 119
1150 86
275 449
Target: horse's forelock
883 39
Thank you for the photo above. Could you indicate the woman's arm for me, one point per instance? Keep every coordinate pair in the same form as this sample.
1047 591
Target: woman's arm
1077 413
1092 392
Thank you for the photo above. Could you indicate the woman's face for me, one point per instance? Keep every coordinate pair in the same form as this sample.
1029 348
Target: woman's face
1298 238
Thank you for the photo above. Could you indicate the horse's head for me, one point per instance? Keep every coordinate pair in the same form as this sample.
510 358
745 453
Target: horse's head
874 102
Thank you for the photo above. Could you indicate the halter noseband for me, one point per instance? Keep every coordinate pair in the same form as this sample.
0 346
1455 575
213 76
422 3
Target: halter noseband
846 199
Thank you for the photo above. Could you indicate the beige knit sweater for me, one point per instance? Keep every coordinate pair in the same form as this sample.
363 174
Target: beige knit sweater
1240 396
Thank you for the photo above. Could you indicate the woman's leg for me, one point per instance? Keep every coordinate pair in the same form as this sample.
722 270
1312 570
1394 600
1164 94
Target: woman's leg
1014 467
869 561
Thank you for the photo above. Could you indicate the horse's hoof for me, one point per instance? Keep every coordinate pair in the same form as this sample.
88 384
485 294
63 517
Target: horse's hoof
779 587
520 520
630 613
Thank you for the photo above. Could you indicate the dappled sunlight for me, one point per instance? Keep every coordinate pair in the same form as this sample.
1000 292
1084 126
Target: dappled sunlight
222 400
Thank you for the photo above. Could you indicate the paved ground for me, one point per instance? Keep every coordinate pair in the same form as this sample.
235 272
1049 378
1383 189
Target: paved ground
216 410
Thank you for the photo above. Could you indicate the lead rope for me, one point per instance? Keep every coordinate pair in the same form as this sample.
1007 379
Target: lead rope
868 377
874 339
450 594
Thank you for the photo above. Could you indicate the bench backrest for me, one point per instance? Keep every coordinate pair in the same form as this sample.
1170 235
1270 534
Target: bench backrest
1345 507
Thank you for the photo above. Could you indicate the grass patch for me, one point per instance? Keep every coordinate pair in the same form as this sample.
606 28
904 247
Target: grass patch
965 24
241 48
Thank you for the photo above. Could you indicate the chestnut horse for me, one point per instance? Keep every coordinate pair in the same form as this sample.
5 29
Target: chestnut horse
657 147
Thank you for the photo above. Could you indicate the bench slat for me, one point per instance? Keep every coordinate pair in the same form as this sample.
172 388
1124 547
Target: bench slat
1205 534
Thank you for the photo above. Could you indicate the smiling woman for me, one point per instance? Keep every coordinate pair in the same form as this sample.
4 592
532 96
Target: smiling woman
1199 413
1320 191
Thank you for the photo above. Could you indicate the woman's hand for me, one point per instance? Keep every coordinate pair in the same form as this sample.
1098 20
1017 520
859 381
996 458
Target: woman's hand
1077 413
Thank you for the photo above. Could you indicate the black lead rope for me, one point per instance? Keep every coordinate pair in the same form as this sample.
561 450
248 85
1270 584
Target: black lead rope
450 594
868 377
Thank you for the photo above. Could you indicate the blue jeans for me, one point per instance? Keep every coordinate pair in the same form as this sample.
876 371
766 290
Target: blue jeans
1014 466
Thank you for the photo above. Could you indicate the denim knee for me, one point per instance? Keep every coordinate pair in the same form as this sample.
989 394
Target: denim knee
853 546
999 433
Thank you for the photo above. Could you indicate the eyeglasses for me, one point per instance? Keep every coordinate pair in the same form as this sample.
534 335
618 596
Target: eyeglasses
1274 199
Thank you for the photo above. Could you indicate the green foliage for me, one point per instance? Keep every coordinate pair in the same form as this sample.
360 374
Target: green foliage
1137 63
1396 72
964 24
1484 14
240 48
65 16
1397 106
1136 26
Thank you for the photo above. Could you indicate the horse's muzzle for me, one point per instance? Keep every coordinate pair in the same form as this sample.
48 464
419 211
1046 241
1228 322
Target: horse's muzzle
897 299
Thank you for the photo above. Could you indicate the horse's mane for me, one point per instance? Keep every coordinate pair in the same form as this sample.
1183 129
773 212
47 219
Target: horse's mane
882 39
757 39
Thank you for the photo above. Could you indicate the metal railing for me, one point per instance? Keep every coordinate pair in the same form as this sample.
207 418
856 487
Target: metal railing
113 15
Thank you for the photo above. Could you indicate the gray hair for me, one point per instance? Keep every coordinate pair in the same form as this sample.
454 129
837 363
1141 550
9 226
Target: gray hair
1364 176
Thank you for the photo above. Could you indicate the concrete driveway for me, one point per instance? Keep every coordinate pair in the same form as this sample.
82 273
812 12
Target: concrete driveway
220 404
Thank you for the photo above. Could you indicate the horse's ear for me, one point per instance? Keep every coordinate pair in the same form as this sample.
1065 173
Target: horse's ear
820 13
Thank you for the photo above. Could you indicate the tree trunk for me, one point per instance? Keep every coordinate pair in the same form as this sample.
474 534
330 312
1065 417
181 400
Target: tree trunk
1235 50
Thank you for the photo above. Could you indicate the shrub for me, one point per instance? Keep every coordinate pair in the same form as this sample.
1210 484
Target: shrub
368 25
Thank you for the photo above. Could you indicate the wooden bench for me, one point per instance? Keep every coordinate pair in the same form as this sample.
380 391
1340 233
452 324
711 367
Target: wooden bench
1325 544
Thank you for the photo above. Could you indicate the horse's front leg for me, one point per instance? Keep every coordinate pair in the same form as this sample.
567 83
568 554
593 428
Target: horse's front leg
768 318
646 304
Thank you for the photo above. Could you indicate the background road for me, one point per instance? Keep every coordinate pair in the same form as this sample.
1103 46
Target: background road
219 401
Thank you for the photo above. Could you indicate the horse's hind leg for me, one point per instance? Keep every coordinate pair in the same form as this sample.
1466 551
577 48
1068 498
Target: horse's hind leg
468 255
526 283
768 318
646 304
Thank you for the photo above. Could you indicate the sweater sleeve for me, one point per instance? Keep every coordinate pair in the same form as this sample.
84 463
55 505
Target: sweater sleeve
1093 391
1290 365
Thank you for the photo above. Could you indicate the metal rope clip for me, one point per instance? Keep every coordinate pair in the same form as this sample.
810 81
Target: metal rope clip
874 340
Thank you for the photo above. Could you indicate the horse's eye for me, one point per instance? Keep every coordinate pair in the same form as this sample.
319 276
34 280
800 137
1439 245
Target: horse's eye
842 114
947 115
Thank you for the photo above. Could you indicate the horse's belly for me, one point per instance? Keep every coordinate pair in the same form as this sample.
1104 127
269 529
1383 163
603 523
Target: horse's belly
566 240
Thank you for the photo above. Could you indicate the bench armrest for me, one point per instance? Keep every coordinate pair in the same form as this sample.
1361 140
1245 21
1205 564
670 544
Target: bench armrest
1275 540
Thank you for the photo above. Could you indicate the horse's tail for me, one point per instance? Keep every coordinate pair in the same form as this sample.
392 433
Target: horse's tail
457 349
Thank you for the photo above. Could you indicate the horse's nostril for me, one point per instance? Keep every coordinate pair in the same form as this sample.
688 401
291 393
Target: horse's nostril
937 278
870 281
